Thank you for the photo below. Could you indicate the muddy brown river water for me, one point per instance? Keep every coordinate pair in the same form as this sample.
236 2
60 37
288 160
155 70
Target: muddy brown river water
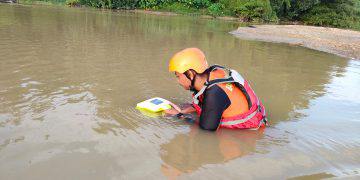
70 79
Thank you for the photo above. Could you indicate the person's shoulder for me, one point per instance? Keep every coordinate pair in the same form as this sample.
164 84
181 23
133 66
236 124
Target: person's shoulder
214 90
215 96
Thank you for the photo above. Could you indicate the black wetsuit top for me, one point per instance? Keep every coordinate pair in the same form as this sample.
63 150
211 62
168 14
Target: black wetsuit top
215 102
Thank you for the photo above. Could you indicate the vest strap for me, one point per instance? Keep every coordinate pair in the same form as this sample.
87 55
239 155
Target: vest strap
238 121
221 80
196 96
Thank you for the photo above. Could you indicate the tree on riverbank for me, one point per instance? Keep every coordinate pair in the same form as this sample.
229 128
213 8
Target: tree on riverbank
335 13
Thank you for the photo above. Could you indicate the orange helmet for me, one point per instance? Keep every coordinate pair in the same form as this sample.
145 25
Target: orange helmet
189 58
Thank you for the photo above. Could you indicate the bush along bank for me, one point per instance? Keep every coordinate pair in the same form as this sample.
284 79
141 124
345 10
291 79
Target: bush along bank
333 13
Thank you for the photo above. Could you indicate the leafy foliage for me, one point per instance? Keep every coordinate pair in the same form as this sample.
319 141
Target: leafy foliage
72 3
180 8
255 10
336 13
125 4
216 9
198 4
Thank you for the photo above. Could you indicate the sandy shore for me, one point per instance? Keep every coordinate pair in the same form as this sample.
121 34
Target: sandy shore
341 42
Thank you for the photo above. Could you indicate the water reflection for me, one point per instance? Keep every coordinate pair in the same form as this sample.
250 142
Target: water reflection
188 152
75 75
113 53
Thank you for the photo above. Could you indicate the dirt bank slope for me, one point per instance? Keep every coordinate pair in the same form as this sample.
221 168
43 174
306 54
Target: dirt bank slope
341 42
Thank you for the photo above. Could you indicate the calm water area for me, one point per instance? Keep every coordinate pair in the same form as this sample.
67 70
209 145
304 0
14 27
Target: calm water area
70 79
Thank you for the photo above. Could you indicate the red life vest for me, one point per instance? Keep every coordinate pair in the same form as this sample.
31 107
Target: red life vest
253 118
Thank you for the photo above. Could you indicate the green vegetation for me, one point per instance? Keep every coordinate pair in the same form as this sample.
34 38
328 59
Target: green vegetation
45 2
335 13
338 13
178 8
73 3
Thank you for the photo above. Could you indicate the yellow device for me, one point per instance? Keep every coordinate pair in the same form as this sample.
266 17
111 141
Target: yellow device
154 105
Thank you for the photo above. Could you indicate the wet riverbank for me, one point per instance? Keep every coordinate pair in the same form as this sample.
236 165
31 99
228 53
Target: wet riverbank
341 42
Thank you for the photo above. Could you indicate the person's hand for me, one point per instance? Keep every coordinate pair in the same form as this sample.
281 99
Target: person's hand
188 109
174 109
175 106
171 111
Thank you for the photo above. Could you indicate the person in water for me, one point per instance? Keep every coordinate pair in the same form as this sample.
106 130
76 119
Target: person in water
221 97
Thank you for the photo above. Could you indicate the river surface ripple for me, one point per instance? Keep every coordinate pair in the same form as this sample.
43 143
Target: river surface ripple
71 77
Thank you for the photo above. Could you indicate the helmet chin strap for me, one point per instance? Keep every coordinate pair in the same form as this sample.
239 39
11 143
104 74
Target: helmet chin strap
192 86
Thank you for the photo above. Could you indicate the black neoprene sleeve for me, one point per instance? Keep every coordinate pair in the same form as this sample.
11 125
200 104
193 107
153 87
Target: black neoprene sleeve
214 104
